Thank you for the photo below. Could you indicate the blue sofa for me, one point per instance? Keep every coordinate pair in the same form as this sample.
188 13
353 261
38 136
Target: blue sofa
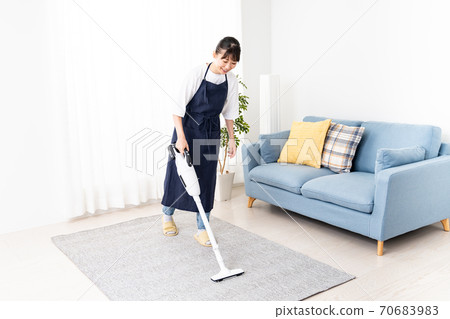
380 206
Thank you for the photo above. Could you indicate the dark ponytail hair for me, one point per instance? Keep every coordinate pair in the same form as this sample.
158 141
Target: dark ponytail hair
232 48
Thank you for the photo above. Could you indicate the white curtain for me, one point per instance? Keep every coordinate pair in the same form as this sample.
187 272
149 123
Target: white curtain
117 68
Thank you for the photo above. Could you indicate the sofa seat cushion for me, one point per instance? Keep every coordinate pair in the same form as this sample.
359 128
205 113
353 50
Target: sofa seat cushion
351 190
290 177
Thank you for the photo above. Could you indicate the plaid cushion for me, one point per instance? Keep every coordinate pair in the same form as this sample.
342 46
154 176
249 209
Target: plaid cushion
340 147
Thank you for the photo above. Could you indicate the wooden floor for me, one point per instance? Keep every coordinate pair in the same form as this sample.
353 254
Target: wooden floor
415 266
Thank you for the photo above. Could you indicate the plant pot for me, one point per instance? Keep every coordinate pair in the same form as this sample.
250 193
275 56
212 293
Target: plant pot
224 185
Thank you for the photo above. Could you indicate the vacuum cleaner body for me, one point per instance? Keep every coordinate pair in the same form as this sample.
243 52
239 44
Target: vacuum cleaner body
189 179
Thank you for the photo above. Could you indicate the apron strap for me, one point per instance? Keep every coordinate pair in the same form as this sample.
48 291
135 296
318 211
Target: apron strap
204 77
207 70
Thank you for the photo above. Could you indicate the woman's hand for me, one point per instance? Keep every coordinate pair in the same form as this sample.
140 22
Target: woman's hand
231 141
182 144
231 147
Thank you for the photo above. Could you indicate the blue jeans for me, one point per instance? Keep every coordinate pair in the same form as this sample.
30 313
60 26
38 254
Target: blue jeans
170 210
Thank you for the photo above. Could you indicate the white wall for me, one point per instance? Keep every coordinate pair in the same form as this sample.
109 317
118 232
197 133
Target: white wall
255 60
256 52
392 65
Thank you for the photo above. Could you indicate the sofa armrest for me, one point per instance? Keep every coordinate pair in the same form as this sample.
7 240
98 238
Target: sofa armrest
410 196
250 159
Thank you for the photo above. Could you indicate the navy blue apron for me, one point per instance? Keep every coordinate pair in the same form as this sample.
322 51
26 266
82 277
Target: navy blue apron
204 108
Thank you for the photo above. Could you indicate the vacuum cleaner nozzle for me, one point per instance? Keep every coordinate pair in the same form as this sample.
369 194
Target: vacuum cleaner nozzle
226 273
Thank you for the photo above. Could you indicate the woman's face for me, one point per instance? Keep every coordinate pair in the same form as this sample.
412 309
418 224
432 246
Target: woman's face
223 65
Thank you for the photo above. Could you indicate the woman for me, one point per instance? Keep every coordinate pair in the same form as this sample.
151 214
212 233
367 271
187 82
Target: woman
209 90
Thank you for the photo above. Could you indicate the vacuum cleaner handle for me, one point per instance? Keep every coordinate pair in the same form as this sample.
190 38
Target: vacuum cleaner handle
188 158
173 150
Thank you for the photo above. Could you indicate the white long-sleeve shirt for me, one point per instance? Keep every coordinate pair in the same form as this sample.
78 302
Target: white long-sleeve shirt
192 82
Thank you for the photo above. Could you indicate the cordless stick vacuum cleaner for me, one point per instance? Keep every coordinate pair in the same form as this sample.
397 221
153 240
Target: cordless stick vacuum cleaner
189 179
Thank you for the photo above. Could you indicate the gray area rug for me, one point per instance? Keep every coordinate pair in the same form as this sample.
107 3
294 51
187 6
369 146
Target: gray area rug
133 260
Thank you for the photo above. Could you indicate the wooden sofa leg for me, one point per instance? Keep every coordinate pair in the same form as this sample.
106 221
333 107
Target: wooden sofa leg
380 248
250 202
446 224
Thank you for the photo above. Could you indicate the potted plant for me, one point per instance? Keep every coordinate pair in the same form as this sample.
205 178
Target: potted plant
224 177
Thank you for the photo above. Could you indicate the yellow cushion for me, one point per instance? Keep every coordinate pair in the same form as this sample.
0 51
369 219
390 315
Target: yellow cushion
305 143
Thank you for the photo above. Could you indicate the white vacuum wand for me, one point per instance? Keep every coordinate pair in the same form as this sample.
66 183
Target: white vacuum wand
188 178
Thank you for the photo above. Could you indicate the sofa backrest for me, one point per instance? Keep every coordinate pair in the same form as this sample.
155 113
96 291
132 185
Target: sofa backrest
338 121
390 135
394 135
